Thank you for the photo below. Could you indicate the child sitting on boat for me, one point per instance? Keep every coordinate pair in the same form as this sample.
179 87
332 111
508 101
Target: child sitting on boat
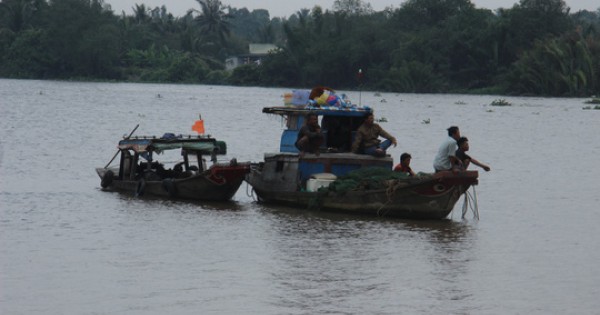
404 165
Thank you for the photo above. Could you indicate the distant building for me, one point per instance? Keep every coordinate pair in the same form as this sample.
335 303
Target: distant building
257 53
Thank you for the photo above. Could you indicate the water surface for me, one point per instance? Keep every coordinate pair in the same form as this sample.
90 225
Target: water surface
66 247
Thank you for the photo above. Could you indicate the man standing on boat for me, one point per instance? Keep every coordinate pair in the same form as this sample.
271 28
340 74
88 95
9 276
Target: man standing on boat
310 137
367 138
445 160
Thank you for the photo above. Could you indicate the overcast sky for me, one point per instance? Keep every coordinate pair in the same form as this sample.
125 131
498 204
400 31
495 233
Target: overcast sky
285 8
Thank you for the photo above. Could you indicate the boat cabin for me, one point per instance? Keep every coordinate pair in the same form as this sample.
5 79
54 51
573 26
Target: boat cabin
138 156
338 126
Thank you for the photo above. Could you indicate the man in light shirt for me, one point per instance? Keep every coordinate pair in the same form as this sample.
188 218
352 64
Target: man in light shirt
446 160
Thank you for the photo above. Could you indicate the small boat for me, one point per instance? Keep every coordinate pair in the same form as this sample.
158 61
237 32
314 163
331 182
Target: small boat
187 176
313 181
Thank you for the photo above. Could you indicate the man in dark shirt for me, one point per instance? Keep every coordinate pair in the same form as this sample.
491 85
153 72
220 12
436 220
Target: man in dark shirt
461 154
310 137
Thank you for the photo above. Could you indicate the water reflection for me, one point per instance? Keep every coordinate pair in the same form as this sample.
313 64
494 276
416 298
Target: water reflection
450 257
324 262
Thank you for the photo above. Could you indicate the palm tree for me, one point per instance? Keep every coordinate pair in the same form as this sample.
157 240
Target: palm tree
19 14
212 19
140 13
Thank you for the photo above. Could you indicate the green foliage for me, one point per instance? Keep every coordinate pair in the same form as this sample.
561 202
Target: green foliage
212 20
280 69
255 26
558 67
367 179
7 37
536 47
28 56
186 69
412 77
18 15
247 75
164 65
217 77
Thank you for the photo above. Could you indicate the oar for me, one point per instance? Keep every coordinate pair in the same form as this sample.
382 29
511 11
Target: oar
130 134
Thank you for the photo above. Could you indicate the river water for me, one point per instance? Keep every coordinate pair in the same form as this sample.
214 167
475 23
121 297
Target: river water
66 247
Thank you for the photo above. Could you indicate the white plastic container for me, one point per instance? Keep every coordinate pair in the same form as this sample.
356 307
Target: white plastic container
314 184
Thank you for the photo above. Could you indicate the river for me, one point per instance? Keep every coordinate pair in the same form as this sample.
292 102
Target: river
67 247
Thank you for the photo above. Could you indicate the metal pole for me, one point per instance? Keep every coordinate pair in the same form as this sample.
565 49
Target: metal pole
114 156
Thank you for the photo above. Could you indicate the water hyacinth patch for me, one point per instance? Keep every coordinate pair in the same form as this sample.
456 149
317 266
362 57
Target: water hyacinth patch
500 102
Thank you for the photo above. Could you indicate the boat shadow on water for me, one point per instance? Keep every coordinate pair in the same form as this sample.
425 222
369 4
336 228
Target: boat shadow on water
294 213
444 235
151 201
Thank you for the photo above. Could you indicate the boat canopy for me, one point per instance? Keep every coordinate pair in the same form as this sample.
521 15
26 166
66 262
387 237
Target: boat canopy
202 145
338 124
352 111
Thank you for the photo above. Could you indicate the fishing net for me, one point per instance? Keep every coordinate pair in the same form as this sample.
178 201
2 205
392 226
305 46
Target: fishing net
365 179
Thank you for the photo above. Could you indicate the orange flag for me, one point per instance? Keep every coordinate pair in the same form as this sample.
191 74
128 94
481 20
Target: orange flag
198 126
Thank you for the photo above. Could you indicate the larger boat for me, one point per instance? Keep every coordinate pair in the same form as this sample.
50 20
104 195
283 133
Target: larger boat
320 181
187 177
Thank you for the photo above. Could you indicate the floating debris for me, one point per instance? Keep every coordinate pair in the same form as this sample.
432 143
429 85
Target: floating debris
460 103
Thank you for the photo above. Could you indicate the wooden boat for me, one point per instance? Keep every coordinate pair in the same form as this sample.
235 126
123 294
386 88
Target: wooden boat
309 181
188 177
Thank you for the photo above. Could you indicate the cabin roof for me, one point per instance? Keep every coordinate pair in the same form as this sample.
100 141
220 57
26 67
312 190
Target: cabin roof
201 144
321 111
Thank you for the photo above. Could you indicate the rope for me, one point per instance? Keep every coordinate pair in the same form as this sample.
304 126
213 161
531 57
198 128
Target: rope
250 192
470 202
476 211
389 192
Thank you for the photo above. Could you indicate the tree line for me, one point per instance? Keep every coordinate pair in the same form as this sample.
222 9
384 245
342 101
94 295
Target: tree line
537 47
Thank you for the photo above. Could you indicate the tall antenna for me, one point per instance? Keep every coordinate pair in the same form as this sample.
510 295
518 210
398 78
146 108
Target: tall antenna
359 77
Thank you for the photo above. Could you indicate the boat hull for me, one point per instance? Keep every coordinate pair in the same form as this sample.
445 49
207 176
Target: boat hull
433 197
219 183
